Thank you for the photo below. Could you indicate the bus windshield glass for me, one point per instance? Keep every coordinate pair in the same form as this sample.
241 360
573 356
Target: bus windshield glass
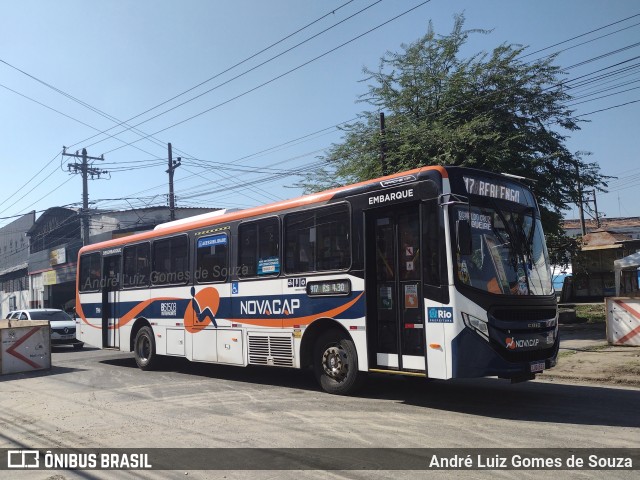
508 252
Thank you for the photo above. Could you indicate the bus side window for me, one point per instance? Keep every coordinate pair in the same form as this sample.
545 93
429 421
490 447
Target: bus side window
171 261
212 259
300 243
90 272
136 259
247 245
318 240
259 248
333 235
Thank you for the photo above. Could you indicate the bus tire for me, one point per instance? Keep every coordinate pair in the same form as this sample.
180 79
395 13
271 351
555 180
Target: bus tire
335 364
144 348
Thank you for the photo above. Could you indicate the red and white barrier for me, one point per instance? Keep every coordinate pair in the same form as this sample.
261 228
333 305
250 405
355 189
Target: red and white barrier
623 321
24 346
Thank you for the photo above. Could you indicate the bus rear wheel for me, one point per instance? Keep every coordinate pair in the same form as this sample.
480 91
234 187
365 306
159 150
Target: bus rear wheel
336 364
145 349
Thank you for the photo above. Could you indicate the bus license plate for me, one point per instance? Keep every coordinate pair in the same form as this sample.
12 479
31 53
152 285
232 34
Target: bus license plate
537 367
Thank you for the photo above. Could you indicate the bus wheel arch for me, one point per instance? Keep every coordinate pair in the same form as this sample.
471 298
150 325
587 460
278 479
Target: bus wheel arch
144 345
331 351
311 335
138 324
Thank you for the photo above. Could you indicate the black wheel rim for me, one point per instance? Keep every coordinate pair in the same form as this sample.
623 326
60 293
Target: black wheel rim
335 362
144 348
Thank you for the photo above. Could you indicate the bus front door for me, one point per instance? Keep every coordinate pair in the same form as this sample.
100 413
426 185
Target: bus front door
110 297
395 310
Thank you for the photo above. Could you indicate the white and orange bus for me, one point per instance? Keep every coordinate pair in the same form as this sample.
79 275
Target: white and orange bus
438 272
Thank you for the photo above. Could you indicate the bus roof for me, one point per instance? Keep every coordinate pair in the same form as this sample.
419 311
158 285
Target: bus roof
205 220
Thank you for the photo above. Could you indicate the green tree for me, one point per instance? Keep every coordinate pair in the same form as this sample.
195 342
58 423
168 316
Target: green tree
493 111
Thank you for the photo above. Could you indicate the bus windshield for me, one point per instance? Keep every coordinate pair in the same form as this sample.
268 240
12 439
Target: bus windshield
508 254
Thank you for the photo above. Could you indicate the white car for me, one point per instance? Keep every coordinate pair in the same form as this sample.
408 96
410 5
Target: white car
63 326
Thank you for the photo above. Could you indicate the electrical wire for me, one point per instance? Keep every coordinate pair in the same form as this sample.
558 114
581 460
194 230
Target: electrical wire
593 60
245 60
268 82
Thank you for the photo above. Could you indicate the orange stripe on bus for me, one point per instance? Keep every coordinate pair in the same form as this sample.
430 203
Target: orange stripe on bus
285 322
133 313
127 317
290 322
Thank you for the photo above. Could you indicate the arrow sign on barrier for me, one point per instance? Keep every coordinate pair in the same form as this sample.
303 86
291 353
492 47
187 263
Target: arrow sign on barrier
12 350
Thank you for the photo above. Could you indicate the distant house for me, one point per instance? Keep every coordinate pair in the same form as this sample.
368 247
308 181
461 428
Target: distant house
629 226
55 240
593 267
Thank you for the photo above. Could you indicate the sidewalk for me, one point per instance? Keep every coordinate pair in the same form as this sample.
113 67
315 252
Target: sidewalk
585 356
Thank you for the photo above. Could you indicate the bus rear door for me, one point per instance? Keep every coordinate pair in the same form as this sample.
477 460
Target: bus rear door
110 298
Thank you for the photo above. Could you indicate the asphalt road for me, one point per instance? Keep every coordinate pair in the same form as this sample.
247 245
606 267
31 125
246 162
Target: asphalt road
100 399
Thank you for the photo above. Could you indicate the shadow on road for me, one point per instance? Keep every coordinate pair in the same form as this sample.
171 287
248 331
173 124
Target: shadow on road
494 398
527 402
69 349
39 373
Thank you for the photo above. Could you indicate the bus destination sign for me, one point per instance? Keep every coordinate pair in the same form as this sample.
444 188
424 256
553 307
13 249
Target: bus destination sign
329 288
495 189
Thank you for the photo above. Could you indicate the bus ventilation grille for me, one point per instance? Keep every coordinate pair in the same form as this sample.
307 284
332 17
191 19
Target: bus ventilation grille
524 314
271 350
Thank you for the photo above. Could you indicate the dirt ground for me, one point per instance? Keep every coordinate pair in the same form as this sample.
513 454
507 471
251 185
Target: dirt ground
586 356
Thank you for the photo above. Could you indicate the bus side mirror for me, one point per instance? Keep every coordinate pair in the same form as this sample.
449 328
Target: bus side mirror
463 234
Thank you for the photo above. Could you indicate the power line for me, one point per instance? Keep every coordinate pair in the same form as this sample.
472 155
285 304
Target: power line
603 96
609 108
62 113
30 180
582 35
148 136
26 194
581 115
233 161
245 60
268 82
49 193
151 136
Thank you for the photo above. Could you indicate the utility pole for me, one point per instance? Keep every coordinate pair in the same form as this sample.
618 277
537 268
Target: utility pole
173 164
592 199
583 227
383 147
85 170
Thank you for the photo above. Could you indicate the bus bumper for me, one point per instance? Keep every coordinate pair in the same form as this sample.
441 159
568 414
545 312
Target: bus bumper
474 357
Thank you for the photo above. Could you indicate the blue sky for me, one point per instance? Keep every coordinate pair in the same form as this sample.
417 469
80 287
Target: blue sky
124 57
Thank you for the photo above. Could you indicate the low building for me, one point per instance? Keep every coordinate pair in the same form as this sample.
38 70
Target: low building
14 255
629 226
55 240
593 267
107 225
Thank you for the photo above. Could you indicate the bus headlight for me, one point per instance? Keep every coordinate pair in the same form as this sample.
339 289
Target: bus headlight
480 326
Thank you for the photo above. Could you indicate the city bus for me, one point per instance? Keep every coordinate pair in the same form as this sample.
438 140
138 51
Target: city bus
437 272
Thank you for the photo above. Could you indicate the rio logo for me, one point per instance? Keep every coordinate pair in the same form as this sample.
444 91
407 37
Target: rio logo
440 315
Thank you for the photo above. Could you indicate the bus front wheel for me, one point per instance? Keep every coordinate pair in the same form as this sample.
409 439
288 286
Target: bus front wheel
145 349
336 364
